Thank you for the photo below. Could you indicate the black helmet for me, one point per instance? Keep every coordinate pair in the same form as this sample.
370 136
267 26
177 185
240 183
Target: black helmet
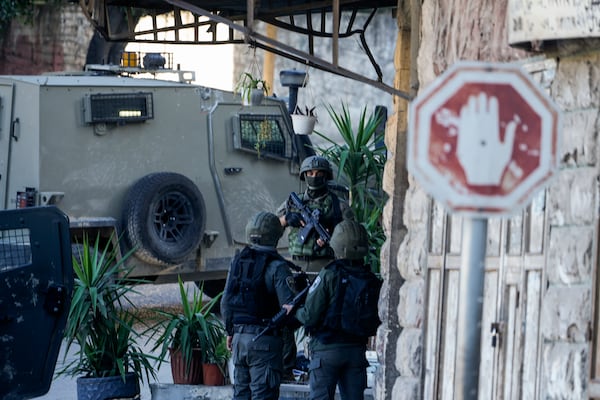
316 162
264 228
350 240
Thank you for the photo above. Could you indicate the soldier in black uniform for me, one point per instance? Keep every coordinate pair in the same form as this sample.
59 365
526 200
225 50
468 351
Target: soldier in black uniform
258 284
340 313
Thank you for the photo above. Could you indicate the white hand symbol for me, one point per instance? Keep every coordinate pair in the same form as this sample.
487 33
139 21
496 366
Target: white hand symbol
480 152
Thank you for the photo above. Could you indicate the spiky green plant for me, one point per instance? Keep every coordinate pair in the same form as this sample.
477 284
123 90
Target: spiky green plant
360 160
101 318
196 326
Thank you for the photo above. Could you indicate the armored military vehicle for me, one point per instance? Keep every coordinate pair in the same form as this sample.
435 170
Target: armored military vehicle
171 169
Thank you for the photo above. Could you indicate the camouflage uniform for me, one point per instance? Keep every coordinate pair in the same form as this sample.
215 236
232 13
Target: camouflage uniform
309 255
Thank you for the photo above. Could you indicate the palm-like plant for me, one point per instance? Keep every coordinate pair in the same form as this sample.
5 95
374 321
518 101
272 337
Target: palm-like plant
360 160
195 327
101 319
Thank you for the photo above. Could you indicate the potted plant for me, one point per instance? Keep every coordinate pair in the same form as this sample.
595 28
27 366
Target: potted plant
214 368
251 89
101 322
187 336
360 159
304 120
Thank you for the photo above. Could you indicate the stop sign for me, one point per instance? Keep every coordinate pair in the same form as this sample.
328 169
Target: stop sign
483 138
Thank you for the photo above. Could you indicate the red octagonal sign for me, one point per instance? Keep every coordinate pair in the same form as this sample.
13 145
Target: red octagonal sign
482 138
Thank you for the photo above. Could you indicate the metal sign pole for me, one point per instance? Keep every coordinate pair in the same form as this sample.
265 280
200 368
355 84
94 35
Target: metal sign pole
470 308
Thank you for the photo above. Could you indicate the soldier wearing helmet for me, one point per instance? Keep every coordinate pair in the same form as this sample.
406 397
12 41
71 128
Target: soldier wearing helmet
258 284
340 314
314 254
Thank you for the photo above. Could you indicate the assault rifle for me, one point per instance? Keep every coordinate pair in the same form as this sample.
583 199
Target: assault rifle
281 316
311 220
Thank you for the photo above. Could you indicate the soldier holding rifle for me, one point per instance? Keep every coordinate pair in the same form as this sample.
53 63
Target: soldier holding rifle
312 216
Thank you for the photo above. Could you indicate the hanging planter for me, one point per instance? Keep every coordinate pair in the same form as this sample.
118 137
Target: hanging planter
304 121
251 89
253 97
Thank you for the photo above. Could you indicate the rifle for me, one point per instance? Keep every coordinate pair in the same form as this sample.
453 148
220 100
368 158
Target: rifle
311 220
278 318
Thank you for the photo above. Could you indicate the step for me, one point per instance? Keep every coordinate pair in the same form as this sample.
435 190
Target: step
170 391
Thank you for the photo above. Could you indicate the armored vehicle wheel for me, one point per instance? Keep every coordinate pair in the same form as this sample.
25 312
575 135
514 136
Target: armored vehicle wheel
164 217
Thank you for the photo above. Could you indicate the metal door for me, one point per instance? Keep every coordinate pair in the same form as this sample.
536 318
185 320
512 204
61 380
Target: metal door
6 93
36 281
511 304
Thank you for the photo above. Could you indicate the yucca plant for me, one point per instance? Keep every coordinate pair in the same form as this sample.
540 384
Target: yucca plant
195 327
101 318
360 159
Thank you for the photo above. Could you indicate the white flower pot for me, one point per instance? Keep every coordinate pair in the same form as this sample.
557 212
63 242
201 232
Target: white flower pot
303 124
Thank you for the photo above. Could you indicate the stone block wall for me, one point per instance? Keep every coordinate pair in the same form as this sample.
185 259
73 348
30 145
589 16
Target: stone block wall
568 300
56 40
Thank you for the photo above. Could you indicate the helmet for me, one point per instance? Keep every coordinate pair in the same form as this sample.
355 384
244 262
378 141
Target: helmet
350 240
318 163
264 228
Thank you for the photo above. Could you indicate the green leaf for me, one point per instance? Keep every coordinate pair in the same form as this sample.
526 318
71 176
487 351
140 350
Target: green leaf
360 160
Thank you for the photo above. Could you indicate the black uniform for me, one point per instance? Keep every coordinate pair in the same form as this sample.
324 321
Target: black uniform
336 357
258 284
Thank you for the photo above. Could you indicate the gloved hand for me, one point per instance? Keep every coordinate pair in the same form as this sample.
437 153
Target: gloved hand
293 219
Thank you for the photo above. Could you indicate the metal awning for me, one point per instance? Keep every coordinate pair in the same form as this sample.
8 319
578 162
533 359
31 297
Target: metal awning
229 21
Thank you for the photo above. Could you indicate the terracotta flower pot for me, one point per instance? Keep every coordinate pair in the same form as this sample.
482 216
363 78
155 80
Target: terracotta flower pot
184 374
212 375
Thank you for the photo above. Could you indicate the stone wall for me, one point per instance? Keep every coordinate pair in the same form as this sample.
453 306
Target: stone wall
475 30
56 40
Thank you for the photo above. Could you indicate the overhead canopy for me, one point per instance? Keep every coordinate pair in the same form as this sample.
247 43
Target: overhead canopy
230 21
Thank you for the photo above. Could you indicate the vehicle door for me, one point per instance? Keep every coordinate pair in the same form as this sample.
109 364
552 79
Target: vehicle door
256 161
36 281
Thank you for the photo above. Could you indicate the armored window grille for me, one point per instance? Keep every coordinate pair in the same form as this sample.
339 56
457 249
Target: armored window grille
15 249
262 134
118 108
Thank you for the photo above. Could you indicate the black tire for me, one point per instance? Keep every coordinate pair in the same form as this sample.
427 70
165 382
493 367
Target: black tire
164 218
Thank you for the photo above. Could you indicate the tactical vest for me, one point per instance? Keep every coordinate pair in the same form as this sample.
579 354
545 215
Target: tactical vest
249 300
352 316
330 216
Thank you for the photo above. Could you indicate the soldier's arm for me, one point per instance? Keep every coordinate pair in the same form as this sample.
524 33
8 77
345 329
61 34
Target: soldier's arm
282 281
317 301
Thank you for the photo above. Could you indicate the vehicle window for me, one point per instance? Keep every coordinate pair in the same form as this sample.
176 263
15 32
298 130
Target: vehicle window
262 134
15 250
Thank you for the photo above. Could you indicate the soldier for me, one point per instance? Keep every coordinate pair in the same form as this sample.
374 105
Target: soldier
258 284
340 314
314 253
